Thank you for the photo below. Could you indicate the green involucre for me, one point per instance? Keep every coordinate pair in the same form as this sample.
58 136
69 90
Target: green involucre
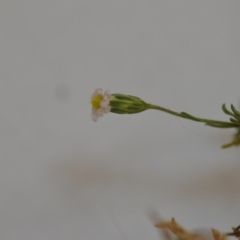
126 104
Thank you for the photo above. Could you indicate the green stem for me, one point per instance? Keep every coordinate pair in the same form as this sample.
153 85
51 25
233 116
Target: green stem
150 106
214 123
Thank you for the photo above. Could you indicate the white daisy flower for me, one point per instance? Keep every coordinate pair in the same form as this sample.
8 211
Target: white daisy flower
100 103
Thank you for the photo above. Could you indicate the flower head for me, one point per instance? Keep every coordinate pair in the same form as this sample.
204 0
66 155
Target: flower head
100 103
104 102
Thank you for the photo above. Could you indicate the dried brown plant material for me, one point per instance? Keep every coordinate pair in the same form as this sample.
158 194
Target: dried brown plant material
163 233
217 235
178 230
235 233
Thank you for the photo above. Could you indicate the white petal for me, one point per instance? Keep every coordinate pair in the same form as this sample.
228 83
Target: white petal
94 116
107 109
97 113
100 112
107 93
104 103
98 91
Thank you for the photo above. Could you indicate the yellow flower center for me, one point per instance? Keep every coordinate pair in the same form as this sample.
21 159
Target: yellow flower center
96 101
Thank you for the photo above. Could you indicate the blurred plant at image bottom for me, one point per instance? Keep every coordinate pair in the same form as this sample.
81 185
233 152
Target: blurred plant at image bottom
183 234
104 102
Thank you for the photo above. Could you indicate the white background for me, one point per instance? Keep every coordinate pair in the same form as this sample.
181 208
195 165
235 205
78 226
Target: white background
63 176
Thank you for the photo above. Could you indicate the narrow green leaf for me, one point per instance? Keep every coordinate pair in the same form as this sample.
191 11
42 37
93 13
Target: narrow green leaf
230 125
225 110
234 120
235 110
